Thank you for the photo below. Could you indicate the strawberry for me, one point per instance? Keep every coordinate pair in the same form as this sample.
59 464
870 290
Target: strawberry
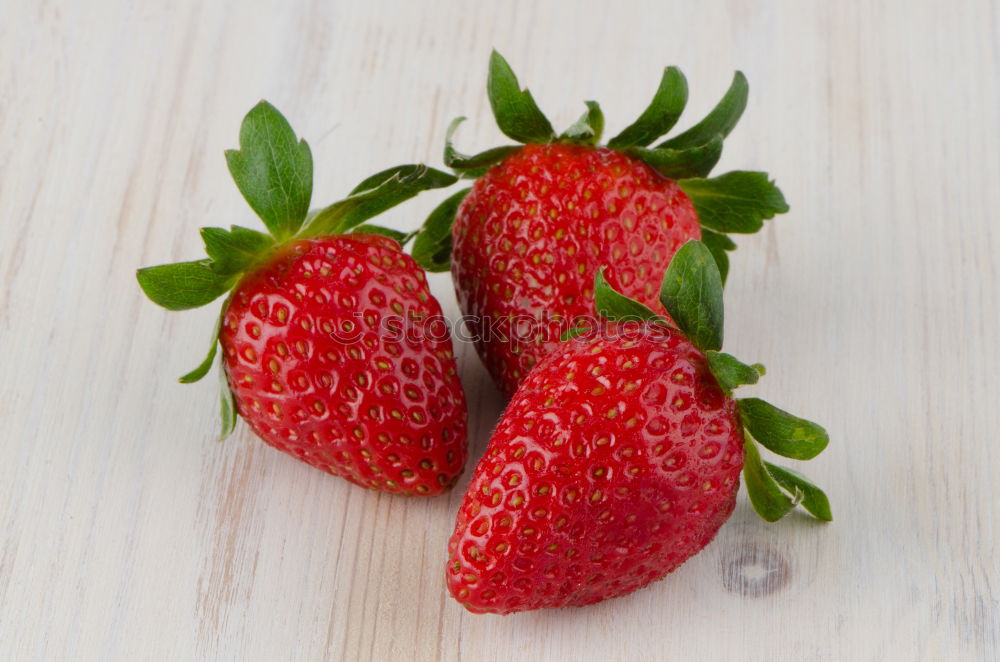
619 456
542 217
334 349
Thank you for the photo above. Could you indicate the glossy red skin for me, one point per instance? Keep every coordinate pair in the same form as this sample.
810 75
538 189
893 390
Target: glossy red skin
617 459
383 413
534 230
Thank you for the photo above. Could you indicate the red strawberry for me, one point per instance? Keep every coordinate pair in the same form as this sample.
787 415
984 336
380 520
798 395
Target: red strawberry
317 373
619 457
541 219
530 232
334 349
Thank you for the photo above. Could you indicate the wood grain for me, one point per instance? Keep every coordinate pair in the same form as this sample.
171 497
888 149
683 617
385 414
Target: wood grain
129 534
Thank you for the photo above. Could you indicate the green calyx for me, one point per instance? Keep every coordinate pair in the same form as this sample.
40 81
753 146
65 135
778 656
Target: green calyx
471 167
588 129
432 246
691 293
273 170
735 202
518 116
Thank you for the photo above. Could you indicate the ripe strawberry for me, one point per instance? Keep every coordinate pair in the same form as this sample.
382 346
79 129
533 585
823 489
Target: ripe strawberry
619 456
316 372
334 349
530 232
541 219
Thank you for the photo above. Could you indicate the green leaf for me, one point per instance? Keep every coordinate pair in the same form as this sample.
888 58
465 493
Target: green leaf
379 178
574 332
516 112
206 365
273 170
661 114
692 294
730 372
233 251
779 431
472 166
616 306
389 188
681 163
813 498
432 247
370 228
738 201
588 129
767 497
227 407
718 245
721 120
183 285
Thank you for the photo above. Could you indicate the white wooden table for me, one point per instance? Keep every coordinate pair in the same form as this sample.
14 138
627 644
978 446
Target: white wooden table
128 533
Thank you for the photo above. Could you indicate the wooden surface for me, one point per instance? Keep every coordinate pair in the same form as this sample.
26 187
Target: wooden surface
128 533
